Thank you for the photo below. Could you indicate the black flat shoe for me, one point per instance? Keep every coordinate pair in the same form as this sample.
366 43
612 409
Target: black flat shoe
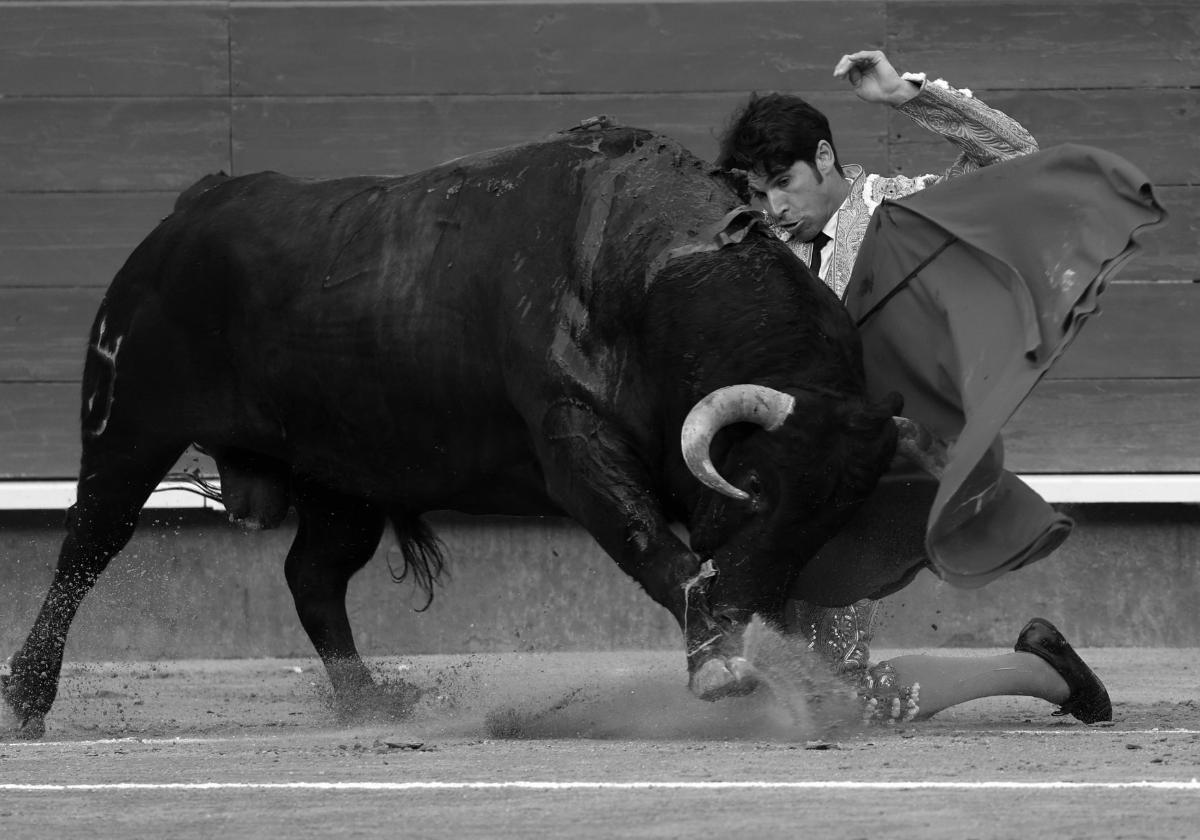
1088 700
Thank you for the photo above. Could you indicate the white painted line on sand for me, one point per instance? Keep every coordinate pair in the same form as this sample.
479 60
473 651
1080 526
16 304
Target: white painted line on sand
1078 730
1192 785
96 742
1081 731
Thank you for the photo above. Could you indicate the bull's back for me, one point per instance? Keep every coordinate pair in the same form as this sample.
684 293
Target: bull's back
507 224
465 268
404 316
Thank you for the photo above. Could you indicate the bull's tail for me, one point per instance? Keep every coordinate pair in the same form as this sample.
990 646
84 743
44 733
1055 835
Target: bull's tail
423 553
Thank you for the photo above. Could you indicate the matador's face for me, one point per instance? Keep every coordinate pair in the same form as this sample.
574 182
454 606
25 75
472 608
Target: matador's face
803 197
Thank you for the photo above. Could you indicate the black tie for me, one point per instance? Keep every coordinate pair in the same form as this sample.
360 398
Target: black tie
819 242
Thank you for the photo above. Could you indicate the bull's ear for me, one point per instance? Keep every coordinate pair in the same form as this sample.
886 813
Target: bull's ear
737 180
732 228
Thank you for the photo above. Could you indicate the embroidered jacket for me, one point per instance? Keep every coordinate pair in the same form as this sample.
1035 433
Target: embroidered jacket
982 134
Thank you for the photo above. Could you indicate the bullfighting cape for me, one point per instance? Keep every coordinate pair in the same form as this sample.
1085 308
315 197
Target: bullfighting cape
965 294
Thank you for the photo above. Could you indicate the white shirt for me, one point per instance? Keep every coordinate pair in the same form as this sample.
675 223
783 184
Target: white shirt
804 250
829 230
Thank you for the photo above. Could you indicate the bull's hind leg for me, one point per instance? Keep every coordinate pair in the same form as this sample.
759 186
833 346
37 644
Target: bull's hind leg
116 478
336 537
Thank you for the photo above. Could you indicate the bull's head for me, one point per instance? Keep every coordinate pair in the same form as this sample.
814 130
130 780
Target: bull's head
793 472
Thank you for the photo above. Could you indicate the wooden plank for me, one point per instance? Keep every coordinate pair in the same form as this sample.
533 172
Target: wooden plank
111 143
73 239
1053 44
336 136
1091 426
1169 252
39 433
515 48
114 49
1143 331
39 430
81 239
1114 425
1155 129
44 333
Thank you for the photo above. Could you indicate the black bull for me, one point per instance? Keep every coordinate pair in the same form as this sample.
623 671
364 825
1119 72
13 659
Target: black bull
517 332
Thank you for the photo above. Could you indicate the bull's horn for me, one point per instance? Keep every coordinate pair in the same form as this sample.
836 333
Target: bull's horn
920 446
733 404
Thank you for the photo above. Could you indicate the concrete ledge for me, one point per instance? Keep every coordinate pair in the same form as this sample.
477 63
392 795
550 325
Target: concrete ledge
60 495
1101 488
190 585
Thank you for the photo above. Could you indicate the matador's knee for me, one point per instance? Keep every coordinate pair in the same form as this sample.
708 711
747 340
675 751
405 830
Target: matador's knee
839 635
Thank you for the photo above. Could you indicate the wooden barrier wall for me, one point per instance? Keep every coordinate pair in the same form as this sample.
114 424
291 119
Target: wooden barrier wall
108 109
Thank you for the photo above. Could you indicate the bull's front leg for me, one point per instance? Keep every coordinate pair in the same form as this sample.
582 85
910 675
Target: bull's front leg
594 472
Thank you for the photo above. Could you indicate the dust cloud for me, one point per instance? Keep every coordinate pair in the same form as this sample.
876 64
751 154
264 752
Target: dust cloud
627 696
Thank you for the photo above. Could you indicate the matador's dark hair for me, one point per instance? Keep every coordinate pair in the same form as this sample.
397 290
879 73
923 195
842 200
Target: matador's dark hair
771 132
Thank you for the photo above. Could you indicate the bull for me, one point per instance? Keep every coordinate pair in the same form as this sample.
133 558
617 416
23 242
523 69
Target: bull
537 330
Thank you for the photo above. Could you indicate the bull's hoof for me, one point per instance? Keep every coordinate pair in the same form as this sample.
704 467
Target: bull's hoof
13 724
31 730
719 678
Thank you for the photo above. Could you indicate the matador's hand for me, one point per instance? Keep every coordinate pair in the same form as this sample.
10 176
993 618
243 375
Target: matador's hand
874 78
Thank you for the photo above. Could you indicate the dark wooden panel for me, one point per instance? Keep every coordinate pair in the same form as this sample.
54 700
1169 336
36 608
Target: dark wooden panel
1170 252
1054 44
73 239
1143 330
1155 129
334 136
1079 426
43 332
81 239
111 144
1107 426
39 430
113 49
516 47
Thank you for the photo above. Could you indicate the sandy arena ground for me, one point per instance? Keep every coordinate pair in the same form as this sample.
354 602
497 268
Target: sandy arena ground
588 745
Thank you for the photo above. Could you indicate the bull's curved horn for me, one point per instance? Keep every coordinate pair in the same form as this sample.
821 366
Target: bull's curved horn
920 446
733 404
